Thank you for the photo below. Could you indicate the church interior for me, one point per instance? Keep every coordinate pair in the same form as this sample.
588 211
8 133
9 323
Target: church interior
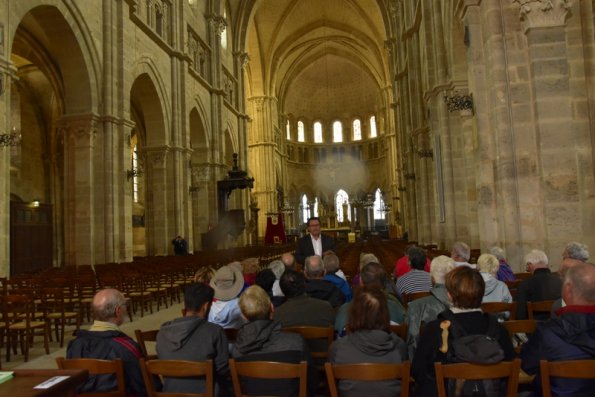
128 122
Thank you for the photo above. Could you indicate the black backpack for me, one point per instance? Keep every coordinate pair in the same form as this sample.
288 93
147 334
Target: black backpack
476 349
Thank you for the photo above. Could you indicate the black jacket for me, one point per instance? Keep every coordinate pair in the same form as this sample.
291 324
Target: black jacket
325 290
422 366
109 345
305 248
543 285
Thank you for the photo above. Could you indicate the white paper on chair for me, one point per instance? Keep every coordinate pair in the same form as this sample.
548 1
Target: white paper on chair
51 382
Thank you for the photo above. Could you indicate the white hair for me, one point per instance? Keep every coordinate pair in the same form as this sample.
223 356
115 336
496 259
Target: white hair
497 252
440 266
537 257
488 263
462 250
278 268
575 250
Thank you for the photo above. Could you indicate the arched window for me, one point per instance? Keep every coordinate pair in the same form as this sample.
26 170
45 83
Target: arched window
357 130
288 131
337 132
300 131
342 206
316 206
379 205
224 32
373 133
305 209
135 176
317 132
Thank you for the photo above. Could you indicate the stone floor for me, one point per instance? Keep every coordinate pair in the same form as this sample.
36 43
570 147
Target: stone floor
38 359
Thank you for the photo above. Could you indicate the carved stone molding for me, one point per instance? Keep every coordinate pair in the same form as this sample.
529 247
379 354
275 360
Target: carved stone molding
218 23
543 13
156 157
80 129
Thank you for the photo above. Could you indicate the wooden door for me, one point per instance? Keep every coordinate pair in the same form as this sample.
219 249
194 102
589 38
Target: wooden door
30 237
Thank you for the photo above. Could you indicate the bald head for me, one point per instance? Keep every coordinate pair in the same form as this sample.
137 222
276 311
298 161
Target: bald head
314 267
109 305
288 260
579 285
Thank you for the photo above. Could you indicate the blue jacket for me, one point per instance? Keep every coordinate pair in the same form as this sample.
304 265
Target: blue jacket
571 336
341 284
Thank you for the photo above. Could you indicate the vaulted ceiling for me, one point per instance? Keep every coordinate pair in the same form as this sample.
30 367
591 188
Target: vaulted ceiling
330 52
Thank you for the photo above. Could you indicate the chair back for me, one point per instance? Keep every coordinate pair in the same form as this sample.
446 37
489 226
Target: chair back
98 367
310 333
413 296
231 334
500 307
468 371
268 370
146 336
539 307
400 330
367 372
576 369
176 369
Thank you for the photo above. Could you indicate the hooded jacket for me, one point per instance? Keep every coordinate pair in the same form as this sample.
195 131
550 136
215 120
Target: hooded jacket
263 340
226 313
368 346
194 339
424 310
571 336
495 290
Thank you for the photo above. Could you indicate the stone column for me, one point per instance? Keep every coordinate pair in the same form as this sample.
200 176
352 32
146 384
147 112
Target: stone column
558 153
261 151
79 189
156 197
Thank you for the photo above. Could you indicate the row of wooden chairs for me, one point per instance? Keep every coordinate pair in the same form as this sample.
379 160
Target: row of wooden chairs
576 369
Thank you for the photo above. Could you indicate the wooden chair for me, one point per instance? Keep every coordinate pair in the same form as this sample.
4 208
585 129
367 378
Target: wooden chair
519 327
411 297
22 325
468 371
368 372
309 333
500 307
55 310
575 369
146 336
400 330
177 369
523 275
268 370
539 307
98 367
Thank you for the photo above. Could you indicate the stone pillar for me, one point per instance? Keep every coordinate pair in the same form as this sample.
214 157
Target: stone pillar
261 150
156 201
558 154
79 184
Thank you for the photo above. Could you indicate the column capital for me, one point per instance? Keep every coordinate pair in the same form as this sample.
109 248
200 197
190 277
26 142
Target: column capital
218 23
543 13
82 128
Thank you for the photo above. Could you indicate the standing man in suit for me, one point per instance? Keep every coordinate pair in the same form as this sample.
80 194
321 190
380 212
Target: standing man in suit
314 243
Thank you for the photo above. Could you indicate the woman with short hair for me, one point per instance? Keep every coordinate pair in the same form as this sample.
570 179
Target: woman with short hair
465 287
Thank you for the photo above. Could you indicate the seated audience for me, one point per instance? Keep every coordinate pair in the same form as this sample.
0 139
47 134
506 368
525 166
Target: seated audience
426 309
505 272
319 288
368 340
570 336
228 283
417 280
402 265
364 259
193 338
250 267
461 253
105 341
373 275
331 269
261 339
495 290
543 285
465 288
289 261
265 279
278 268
